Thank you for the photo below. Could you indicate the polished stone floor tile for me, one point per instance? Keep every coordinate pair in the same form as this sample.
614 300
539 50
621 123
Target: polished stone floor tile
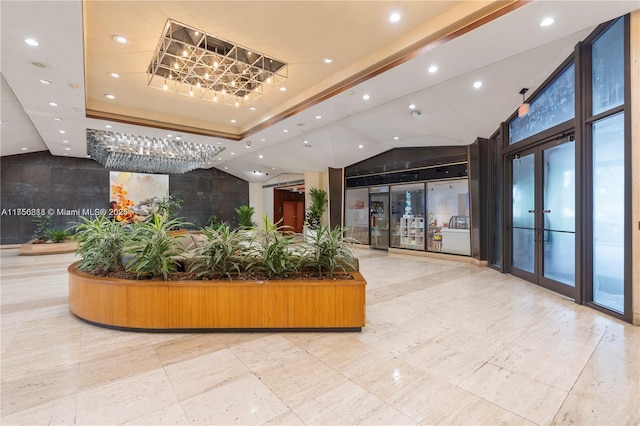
446 343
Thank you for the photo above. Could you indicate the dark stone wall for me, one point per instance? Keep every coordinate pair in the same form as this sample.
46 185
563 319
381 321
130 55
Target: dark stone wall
43 181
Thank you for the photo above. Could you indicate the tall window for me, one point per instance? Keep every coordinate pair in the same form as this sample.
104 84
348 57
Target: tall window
608 169
607 58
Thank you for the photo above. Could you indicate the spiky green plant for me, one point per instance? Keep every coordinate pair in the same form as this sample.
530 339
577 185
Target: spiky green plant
270 253
102 243
43 225
329 251
222 253
154 252
317 208
57 235
245 217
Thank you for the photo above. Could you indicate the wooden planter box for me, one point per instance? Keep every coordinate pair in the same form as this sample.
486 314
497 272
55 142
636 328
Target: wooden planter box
218 305
30 249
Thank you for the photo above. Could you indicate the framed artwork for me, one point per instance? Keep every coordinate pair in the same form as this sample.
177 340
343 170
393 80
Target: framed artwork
131 193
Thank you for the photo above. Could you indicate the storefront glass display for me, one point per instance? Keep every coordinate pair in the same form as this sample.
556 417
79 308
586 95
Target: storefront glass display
357 214
407 216
448 228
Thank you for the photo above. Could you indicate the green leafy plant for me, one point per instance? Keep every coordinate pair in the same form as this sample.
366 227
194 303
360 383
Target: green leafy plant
214 222
57 235
43 225
329 251
317 208
102 243
154 252
270 252
222 253
168 207
245 217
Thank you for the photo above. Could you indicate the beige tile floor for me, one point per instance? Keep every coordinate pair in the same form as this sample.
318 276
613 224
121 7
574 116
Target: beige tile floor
445 343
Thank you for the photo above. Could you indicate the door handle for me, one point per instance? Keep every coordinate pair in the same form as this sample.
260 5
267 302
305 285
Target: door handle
532 211
546 211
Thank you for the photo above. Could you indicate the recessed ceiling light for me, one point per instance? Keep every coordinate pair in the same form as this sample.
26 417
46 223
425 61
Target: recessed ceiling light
328 60
286 131
226 168
53 104
412 106
263 140
57 118
24 149
178 137
108 126
219 158
252 108
233 121
360 146
396 138
109 96
283 89
67 149
232 153
31 42
305 141
45 81
547 21
260 156
366 97
169 135
273 168
477 84
433 69
120 39
394 17
114 75
318 117
65 141
62 131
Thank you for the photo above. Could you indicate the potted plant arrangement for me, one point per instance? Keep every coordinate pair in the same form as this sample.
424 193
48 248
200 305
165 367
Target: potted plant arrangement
47 239
315 211
142 278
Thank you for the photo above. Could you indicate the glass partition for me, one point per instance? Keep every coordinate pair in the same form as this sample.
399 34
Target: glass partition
407 216
607 61
448 230
357 214
608 212
555 105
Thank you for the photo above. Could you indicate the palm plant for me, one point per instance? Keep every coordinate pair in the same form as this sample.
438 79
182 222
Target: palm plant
57 235
317 208
245 216
330 251
270 252
154 252
222 252
102 242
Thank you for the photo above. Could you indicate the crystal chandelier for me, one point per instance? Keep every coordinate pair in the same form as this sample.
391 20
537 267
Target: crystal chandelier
191 62
124 151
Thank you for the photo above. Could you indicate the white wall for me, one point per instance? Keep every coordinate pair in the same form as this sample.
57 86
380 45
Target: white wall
256 201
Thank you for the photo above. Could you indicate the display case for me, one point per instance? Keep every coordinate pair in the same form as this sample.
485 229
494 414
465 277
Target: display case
412 232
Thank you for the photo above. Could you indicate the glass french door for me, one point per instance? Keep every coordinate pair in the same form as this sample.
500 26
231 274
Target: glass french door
543 248
379 220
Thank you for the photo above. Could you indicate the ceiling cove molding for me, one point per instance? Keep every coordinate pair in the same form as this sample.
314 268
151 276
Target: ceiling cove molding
101 115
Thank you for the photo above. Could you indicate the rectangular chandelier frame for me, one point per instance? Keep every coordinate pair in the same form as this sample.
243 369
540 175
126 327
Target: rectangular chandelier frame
191 62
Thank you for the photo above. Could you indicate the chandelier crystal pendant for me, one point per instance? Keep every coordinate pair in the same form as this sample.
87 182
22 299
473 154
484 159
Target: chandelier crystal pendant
124 151
191 62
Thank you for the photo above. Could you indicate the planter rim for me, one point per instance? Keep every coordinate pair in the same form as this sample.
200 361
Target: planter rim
357 280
